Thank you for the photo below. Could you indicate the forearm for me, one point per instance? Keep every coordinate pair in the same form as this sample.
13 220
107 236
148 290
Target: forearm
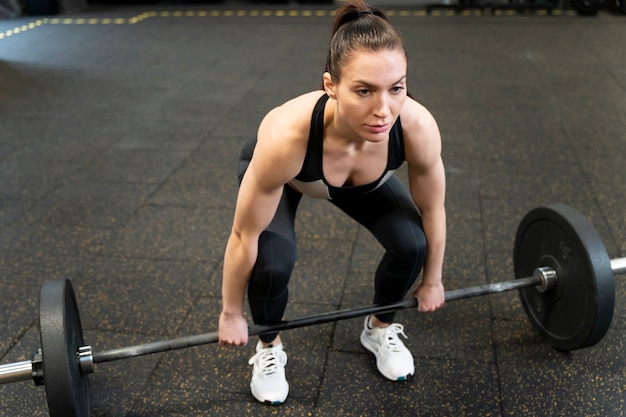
434 222
239 260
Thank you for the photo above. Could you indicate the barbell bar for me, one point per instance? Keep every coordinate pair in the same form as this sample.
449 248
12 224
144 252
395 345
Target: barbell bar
255 330
618 266
21 371
563 273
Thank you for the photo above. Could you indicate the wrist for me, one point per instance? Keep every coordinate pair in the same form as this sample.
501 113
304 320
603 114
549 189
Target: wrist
232 312
432 281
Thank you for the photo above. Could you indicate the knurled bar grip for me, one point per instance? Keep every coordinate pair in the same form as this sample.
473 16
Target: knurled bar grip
206 338
618 266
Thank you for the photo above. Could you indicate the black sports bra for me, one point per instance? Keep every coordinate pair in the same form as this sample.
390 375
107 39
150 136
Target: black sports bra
311 182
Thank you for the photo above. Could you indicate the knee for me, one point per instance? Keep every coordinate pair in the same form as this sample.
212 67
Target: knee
409 250
275 262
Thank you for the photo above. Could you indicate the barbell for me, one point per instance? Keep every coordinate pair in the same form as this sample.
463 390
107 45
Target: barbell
563 273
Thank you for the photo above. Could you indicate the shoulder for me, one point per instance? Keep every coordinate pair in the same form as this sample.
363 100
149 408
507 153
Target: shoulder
416 118
422 140
283 134
291 119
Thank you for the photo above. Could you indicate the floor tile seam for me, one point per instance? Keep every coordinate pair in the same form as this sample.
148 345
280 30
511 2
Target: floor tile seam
154 204
35 287
149 204
349 267
347 275
454 360
521 162
41 227
203 294
114 253
183 163
618 80
146 200
589 183
334 306
492 314
322 379
29 220
74 178
178 330
496 363
52 226
160 364
99 258
422 357
30 204
17 337
14 151
92 157
20 284
147 336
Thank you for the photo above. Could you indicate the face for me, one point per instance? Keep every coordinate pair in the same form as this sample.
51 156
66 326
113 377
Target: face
370 93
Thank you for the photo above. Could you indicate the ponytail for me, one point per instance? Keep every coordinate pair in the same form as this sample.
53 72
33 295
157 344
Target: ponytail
358 26
353 10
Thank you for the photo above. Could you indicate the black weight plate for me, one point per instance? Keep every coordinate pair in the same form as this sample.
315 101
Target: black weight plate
578 312
67 390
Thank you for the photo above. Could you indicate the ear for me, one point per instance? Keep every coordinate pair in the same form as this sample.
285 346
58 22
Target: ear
329 85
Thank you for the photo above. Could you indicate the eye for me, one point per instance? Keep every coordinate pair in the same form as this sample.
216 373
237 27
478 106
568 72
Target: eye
397 89
363 92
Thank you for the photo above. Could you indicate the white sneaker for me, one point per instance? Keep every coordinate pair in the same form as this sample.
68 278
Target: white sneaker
393 359
268 384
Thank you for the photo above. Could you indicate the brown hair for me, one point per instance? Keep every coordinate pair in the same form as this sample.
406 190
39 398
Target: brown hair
358 26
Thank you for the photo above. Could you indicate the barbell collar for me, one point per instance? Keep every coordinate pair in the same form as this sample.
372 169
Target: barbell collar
548 279
85 360
37 363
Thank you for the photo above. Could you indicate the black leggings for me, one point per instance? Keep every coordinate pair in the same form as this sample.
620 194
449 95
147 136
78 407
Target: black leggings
387 212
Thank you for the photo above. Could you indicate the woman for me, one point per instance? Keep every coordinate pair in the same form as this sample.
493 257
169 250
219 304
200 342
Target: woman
342 144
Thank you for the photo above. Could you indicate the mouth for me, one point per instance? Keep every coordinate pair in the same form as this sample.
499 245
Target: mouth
377 128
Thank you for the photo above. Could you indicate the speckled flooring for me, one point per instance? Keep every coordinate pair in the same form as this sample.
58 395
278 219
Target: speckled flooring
119 133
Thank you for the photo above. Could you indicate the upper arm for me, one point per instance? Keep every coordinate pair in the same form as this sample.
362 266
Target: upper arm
277 158
427 181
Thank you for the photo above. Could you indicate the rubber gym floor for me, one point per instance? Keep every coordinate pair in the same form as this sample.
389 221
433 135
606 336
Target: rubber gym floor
120 130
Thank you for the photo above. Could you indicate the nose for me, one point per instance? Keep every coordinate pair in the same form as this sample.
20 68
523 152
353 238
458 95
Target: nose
381 106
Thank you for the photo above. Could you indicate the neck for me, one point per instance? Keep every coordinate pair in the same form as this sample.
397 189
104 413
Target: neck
337 130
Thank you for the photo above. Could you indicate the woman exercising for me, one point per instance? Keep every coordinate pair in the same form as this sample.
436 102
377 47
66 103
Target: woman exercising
343 144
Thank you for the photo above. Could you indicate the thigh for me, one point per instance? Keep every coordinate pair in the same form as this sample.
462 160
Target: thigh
388 212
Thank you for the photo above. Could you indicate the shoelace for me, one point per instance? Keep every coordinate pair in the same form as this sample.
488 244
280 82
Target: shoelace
268 360
390 338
